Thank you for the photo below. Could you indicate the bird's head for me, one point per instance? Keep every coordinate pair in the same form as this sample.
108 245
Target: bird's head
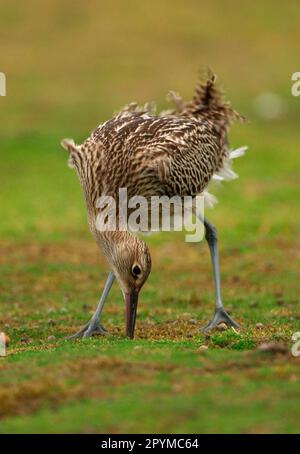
130 260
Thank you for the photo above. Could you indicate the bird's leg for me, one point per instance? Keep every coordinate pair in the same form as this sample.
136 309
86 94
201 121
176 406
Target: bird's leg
94 326
220 314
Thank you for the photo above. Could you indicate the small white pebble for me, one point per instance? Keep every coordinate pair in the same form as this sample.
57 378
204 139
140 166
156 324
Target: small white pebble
260 325
222 327
203 348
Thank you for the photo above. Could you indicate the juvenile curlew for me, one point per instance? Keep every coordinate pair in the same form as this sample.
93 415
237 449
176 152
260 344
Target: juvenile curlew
175 153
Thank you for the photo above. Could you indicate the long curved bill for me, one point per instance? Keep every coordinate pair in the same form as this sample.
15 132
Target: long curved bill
131 300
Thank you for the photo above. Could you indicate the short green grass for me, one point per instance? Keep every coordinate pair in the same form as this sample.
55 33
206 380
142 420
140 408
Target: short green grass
73 70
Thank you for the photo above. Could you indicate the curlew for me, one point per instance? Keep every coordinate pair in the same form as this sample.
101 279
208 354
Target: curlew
174 153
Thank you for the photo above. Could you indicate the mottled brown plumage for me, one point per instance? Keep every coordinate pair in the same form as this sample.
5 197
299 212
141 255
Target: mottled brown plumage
173 153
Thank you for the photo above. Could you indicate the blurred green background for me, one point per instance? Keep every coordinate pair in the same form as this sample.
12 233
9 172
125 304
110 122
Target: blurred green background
69 65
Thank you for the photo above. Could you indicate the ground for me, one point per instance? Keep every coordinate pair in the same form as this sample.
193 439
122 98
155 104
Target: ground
51 272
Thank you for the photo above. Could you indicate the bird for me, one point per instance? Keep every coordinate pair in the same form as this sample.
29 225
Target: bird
178 152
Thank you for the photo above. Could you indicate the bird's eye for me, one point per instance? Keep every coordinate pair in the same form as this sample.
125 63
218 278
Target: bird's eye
136 270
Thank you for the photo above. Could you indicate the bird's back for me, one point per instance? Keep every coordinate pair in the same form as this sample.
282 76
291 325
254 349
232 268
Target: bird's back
153 155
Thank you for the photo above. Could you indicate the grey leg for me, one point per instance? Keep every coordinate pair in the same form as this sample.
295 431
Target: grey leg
94 326
220 314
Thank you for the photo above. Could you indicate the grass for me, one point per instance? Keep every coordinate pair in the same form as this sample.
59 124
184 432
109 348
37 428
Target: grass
51 273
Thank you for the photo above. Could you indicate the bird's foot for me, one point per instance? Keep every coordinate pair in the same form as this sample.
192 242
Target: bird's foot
220 316
90 329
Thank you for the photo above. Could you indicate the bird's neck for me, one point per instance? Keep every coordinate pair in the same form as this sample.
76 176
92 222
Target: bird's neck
109 240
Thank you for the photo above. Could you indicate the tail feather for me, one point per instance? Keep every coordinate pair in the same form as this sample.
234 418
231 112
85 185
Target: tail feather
72 148
238 152
225 173
68 144
208 103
